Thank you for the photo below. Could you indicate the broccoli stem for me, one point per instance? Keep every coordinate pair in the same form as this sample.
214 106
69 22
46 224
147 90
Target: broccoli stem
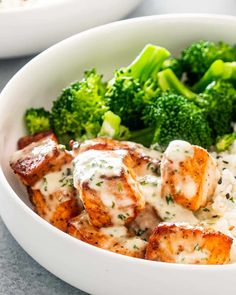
143 136
148 62
225 141
110 126
217 70
167 80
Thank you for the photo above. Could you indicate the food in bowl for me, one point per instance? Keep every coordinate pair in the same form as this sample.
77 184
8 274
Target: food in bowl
173 202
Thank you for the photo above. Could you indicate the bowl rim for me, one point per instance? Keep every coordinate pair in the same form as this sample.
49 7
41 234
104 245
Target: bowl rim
47 226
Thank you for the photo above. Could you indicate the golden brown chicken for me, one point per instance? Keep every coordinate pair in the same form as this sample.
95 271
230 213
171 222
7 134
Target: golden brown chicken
189 174
38 158
181 243
115 239
46 168
107 186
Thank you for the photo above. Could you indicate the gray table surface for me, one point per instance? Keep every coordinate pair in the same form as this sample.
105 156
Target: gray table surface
19 273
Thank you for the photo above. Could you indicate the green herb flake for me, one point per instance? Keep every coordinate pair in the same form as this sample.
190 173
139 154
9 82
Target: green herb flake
99 183
169 199
197 247
122 216
119 187
205 210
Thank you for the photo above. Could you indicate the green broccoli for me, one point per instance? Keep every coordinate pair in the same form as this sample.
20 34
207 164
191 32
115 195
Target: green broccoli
37 120
216 101
112 128
218 70
78 112
175 65
197 58
131 87
175 117
225 141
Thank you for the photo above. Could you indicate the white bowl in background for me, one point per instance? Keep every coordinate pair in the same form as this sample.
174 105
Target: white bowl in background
86 267
31 29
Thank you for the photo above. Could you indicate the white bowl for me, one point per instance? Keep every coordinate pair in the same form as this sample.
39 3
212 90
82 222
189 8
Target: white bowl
31 29
81 265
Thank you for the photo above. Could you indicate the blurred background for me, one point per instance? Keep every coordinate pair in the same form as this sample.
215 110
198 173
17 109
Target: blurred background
19 274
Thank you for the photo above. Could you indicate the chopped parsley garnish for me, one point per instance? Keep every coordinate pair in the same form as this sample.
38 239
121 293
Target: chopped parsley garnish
119 187
169 199
99 183
197 247
230 198
122 216
140 232
205 210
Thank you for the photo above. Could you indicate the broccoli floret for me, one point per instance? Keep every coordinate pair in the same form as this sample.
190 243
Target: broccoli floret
175 65
225 141
175 117
132 86
197 58
219 70
111 127
220 97
216 101
78 112
37 120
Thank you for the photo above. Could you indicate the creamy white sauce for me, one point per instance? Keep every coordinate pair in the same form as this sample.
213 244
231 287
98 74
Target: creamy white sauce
115 231
134 244
35 149
186 257
166 208
90 166
187 187
55 181
178 150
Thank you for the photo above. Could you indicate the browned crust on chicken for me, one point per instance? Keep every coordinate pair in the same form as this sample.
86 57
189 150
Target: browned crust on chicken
179 243
39 158
81 228
57 208
196 168
28 139
122 187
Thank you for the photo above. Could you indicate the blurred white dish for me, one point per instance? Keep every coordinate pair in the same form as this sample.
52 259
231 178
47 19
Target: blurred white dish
32 27
94 270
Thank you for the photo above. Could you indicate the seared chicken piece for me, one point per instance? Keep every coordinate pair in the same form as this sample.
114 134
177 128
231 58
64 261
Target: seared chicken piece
107 186
189 174
46 168
144 161
114 239
181 243
28 139
57 208
38 158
